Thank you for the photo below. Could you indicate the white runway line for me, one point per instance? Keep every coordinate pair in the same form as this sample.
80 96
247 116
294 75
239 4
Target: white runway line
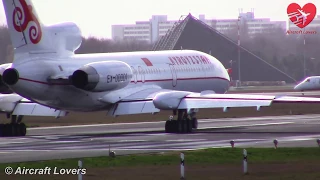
185 140
132 140
246 125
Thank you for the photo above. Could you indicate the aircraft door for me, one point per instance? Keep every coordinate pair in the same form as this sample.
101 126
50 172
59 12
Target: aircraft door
174 75
135 74
141 73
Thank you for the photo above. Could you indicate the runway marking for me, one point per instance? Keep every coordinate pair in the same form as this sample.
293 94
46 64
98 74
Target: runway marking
299 139
93 125
167 149
246 125
185 140
132 140
56 142
258 119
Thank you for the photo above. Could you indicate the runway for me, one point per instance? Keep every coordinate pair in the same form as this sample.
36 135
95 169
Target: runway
94 140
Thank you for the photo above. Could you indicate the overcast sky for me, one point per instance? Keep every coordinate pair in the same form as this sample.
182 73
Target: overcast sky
95 17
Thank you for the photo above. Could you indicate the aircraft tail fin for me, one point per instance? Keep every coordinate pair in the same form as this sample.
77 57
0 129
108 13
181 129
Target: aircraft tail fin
27 33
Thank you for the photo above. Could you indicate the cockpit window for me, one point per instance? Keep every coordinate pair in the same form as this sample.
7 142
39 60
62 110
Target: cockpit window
308 80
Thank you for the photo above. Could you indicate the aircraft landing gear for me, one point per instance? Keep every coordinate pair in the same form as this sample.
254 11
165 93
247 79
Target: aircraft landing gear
186 123
13 129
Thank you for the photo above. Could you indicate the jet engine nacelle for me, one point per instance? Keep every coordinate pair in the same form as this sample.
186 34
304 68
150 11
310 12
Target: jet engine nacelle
4 89
102 76
66 36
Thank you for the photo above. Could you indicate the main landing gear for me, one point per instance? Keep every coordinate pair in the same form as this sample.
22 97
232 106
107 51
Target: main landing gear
186 123
13 129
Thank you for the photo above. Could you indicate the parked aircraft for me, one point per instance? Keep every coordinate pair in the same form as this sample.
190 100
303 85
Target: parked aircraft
47 73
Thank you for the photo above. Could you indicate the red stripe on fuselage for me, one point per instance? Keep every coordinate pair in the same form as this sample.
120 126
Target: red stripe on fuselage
147 61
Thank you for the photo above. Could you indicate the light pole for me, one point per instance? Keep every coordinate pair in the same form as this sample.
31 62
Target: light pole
231 62
305 67
239 72
304 55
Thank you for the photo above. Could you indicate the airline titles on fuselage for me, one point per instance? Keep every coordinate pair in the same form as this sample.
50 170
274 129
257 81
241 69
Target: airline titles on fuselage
189 60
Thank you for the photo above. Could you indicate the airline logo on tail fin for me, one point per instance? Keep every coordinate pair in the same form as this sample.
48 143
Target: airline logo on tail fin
22 17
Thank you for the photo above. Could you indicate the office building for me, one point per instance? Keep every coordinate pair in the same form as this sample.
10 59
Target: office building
158 26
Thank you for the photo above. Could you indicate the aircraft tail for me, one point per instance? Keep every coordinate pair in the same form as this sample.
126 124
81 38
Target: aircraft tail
27 33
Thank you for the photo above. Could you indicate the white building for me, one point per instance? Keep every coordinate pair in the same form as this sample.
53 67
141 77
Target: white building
314 25
254 25
143 30
157 26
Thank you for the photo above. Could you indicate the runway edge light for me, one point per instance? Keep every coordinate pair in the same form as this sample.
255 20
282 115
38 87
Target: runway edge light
111 153
318 141
232 143
275 142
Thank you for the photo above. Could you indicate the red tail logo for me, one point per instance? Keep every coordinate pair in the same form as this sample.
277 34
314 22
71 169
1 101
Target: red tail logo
21 19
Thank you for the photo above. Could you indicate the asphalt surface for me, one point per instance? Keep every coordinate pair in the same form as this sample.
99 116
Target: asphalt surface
131 138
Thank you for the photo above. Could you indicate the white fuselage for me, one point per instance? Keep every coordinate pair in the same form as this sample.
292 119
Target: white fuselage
310 83
185 70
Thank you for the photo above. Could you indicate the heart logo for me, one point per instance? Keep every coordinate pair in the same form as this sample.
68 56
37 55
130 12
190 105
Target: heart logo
301 17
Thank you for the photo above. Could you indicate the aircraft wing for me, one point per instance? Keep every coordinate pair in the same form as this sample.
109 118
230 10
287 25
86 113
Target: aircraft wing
155 99
17 105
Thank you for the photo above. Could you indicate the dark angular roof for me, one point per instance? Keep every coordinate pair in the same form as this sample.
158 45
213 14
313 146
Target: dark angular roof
191 33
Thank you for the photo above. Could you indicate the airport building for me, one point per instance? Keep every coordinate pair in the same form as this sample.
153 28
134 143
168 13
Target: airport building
159 25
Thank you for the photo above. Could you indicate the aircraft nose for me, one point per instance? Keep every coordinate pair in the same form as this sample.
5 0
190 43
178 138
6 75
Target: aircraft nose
297 87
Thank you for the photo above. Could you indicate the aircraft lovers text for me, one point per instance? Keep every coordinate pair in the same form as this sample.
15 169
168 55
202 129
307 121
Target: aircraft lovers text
49 79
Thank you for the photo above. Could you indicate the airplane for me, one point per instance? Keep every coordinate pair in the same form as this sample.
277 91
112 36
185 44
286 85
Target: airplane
48 74
302 15
309 83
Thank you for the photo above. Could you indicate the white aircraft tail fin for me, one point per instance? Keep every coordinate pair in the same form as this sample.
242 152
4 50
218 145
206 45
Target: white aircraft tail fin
27 33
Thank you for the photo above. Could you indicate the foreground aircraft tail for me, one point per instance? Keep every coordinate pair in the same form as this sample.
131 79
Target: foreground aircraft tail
27 33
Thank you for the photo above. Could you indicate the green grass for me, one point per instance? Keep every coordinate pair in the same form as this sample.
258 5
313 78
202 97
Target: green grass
206 156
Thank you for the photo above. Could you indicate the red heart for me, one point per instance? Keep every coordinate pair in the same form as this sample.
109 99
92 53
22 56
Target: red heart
297 17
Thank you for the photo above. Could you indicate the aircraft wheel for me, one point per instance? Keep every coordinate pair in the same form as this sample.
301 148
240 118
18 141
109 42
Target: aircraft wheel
1 130
194 123
168 126
189 127
23 129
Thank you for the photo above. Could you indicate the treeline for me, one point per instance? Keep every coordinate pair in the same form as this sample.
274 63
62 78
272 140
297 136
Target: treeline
284 51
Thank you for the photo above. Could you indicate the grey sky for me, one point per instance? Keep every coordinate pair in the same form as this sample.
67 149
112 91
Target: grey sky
95 17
